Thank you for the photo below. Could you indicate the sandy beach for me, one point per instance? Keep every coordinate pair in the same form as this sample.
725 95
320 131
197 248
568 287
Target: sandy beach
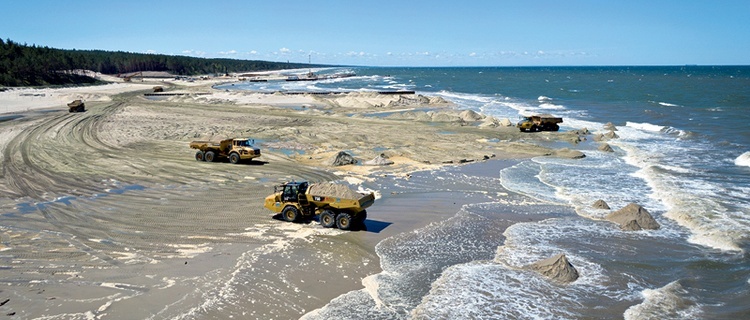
106 214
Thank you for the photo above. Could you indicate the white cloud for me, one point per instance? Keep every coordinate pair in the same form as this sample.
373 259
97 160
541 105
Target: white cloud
473 54
253 52
195 53
284 50
150 51
228 53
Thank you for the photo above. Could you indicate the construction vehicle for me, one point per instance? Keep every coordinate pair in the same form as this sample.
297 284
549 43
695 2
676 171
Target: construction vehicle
334 204
236 150
539 122
130 77
76 106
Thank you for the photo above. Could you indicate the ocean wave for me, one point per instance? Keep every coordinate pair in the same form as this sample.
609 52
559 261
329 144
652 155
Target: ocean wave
668 104
743 160
694 203
550 106
669 302
645 126
544 99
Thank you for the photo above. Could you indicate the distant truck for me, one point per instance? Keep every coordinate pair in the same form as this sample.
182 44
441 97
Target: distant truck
76 106
539 122
236 150
334 204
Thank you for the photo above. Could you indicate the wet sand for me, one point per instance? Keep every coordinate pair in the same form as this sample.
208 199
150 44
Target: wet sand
105 214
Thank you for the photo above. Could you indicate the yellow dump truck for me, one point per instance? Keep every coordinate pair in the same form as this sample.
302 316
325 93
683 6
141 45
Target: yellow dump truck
235 150
539 122
334 204
76 106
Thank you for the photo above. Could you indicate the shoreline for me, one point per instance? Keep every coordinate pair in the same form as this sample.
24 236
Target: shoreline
197 231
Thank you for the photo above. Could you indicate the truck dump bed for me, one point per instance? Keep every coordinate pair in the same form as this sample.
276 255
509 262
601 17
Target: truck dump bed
202 144
338 196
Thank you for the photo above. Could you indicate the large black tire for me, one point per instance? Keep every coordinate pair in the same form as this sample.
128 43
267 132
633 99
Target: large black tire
199 156
327 219
290 214
210 156
534 128
555 127
234 158
344 221
361 217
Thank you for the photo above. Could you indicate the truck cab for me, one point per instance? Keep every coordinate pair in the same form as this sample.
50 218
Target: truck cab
525 124
291 191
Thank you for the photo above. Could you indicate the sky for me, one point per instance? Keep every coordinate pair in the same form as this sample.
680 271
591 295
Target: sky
397 33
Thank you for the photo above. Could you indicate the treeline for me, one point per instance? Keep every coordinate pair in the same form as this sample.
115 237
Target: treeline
24 65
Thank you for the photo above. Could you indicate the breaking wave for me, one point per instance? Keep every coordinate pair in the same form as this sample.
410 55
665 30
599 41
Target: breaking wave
743 160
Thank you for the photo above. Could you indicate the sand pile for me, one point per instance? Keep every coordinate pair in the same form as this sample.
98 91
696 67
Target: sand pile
341 159
330 189
380 160
470 116
600 204
569 154
506 122
606 148
633 217
611 135
557 268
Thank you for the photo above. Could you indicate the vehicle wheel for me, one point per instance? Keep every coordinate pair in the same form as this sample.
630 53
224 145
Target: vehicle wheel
555 127
327 219
234 158
199 155
361 217
534 128
210 156
344 221
290 213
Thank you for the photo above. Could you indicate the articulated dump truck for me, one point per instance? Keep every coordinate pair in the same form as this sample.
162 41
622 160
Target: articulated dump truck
540 122
334 204
235 150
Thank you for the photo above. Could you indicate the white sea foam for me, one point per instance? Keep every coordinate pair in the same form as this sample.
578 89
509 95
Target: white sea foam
551 106
668 104
645 126
692 202
743 160
669 302
544 99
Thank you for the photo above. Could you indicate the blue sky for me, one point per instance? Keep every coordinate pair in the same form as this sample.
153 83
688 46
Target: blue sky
398 33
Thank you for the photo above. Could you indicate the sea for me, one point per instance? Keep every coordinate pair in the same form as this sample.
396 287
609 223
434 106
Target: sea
682 152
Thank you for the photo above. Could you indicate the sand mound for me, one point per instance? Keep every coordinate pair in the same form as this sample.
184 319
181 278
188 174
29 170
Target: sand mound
600 204
490 122
445 117
470 116
557 268
506 123
341 159
330 189
611 135
633 217
606 148
438 100
609 126
403 100
569 154
380 160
